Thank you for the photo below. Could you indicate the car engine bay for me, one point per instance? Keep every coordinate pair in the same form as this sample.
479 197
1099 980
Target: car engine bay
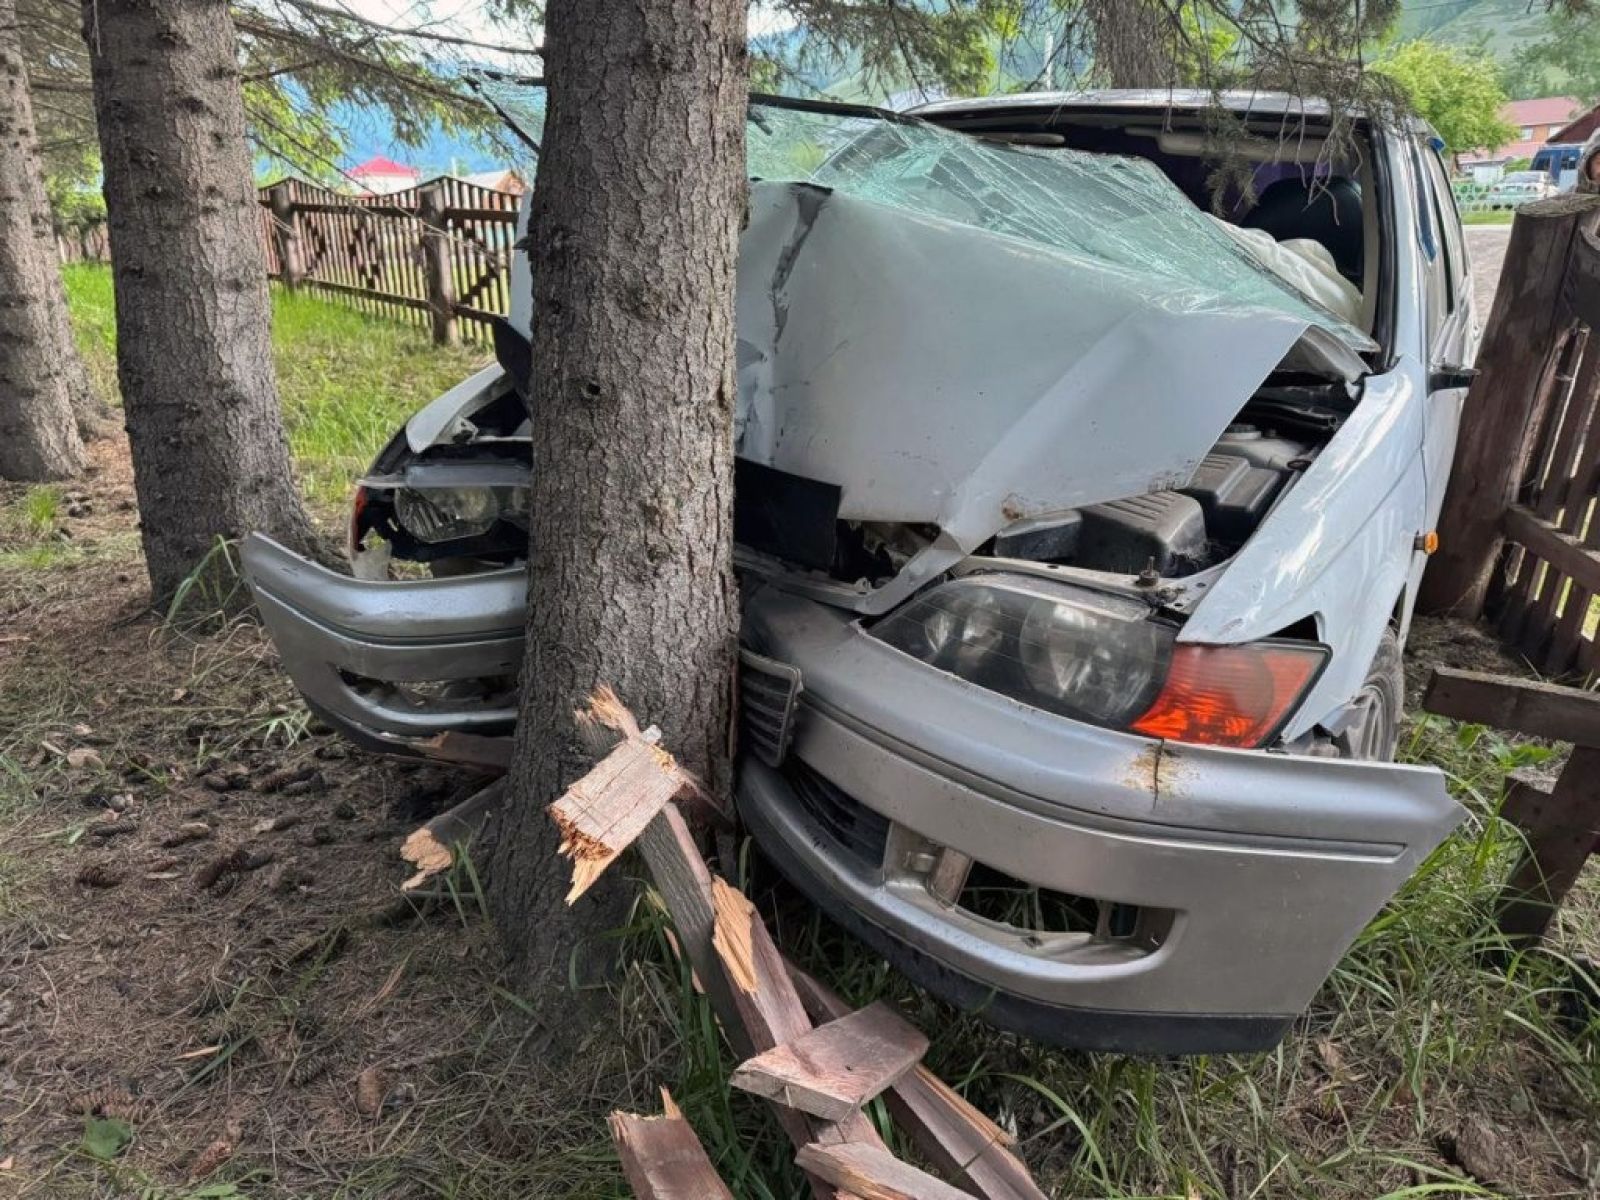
462 506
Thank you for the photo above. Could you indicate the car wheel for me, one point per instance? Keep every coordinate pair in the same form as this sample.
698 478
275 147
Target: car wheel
1374 733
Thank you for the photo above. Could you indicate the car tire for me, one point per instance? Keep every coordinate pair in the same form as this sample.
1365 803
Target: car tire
1373 734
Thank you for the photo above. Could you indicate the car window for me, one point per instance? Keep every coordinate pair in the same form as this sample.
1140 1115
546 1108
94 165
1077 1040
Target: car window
1436 275
1449 219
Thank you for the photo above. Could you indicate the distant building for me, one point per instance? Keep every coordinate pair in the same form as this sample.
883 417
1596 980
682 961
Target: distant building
1534 121
501 179
381 176
1580 129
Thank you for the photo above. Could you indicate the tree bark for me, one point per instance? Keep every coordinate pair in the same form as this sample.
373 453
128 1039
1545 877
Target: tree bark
38 433
636 216
1130 44
210 458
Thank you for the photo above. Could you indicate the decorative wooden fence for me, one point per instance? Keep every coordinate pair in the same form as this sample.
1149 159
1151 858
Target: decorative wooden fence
438 254
1520 532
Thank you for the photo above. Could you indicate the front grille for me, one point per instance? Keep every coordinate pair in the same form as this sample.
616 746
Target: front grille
769 694
851 826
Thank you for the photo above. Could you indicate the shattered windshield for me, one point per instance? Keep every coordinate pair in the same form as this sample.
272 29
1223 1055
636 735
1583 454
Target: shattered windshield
1102 209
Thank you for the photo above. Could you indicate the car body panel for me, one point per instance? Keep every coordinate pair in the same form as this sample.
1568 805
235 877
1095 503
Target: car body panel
328 627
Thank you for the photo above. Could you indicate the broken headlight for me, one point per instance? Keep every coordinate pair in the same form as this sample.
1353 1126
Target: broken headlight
1104 659
448 514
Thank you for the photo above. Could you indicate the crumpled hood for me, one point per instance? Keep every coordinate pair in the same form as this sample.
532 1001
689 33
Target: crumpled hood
941 373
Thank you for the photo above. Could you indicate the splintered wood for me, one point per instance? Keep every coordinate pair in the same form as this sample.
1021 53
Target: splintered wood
431 849
949 1131
735 924
663 1159
600 816
817 1079
836 1068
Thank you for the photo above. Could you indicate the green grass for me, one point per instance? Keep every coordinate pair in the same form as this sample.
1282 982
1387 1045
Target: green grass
1488 217
347 380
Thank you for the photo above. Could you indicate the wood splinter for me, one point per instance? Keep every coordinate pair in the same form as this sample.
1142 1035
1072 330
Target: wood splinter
662 1157
431 848
602 814
834 1069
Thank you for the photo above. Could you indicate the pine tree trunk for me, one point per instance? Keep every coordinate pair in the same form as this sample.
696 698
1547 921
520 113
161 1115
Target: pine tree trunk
210 458
1131 43
636 216
38 432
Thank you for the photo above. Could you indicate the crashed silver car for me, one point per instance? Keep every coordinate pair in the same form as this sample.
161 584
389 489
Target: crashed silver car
1082 494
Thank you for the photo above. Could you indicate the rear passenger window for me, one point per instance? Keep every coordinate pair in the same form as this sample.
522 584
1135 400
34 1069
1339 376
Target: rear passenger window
1449 220
1435 265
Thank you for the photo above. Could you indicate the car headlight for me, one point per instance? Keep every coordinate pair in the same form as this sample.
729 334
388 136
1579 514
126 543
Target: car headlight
447 514
1104 659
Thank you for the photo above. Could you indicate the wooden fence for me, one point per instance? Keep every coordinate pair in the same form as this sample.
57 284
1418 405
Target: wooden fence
438 254
91 243
1520 532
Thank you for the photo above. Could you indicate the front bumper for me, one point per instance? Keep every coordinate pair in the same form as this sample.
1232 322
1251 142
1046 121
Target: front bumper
391 664
1238 878
1243 875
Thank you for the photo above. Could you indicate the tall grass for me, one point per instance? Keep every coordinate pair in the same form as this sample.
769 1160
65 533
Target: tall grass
347 380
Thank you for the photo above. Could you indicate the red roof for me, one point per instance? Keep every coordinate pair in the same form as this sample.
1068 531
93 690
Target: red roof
383 166
1546 110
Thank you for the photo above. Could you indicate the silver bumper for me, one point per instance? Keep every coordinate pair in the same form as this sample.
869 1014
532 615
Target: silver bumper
360 650
1253 872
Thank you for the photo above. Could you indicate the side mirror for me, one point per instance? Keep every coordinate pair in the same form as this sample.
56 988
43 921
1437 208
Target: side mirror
1445 378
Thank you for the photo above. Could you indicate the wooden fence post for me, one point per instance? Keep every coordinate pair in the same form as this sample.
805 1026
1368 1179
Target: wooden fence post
1500 421
286 232
436 264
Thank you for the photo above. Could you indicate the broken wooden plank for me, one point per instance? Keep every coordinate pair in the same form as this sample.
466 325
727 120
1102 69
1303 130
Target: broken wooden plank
872 1173
601 814
770 1012
1544 541
431 849
662 1157
683 881
1520 705
492 754
833 1070
949 1131
1561 830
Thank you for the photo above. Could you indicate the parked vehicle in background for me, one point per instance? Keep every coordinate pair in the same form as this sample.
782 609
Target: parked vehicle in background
1559 161
1078 533
1519 187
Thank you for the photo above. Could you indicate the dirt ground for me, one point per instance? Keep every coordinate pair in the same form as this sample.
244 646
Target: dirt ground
1486 247
201 933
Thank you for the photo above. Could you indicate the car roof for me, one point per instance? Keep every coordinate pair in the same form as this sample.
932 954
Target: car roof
1270 103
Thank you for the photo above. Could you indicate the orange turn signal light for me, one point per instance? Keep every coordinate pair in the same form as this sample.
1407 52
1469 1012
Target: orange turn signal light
1231 695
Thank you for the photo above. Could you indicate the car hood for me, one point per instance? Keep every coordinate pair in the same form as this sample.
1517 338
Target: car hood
944 374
